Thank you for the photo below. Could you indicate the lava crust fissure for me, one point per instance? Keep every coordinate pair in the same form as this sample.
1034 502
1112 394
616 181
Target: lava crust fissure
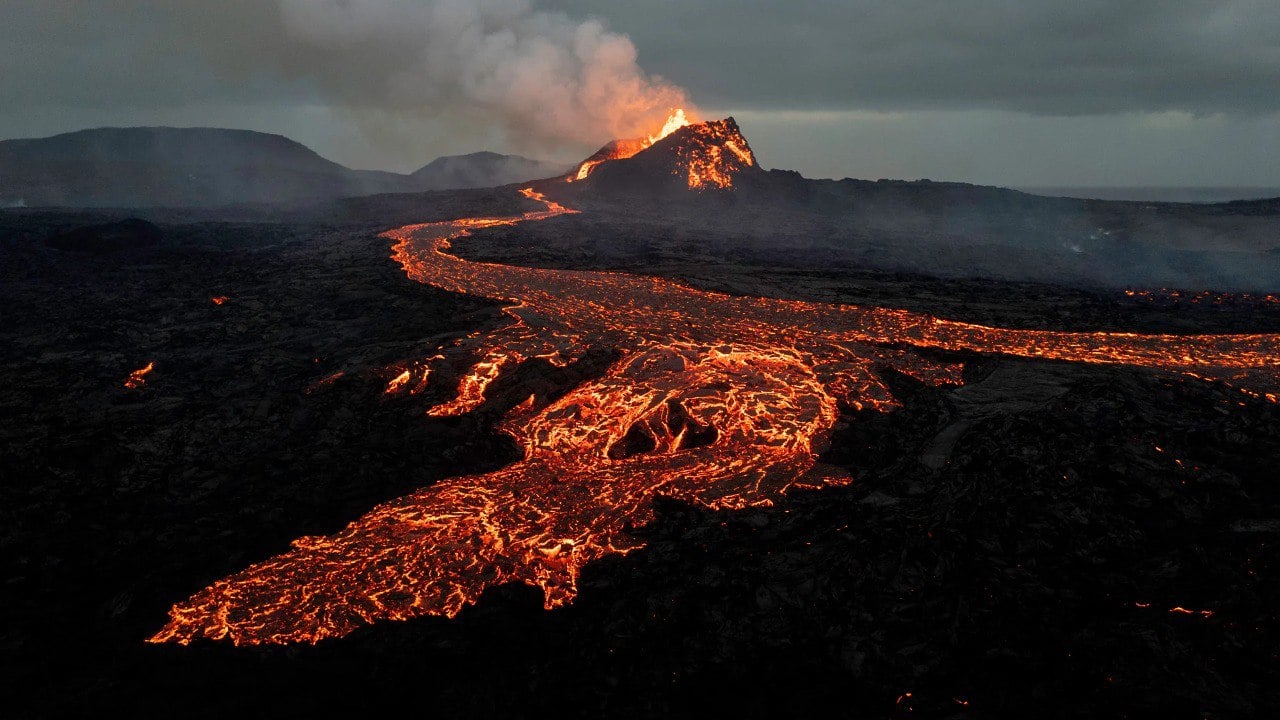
720 401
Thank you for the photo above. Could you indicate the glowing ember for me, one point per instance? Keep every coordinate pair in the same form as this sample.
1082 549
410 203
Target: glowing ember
1179 610
219 299
1164 296
138 377
719 401
323 382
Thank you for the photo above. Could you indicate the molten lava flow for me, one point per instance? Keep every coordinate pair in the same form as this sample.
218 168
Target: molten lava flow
622 149
706 162
219 299
719 401
138 377
398 382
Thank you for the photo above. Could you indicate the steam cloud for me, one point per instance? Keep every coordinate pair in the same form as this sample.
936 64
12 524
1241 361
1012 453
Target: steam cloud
543 77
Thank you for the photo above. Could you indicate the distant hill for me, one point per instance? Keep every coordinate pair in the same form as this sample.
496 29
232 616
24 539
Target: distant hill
202 167
480 170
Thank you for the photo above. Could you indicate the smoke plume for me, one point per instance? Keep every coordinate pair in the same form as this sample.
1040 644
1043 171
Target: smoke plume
546 79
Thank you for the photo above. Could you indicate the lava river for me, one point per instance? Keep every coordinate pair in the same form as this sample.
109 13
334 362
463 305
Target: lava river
716 400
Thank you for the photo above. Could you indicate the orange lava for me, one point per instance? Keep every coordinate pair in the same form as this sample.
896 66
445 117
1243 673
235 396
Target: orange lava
324 382
714 162
622 149
138 377
1187 611
398 382
1165 296
716 400
219 299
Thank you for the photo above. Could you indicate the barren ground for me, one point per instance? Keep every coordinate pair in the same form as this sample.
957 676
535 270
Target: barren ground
1010 548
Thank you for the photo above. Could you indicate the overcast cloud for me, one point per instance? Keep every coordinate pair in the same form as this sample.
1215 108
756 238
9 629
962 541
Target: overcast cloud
1057 57
1153 92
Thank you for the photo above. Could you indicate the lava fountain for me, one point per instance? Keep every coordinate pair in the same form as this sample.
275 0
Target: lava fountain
720 401
623 149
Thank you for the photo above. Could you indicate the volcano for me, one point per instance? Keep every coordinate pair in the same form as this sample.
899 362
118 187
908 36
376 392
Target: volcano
711 155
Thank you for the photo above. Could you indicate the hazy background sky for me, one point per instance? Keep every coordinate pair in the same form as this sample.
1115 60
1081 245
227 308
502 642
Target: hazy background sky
1012 92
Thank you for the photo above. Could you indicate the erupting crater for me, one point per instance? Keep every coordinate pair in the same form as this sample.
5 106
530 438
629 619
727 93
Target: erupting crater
716 400
705 155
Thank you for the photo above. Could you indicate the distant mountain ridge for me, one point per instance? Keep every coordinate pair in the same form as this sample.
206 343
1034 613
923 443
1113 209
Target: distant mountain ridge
202 167
481 169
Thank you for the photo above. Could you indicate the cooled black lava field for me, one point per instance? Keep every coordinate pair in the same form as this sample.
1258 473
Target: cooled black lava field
1048 539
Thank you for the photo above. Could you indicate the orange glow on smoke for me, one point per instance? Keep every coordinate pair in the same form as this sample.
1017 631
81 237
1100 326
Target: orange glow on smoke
673 123
719 401
138 377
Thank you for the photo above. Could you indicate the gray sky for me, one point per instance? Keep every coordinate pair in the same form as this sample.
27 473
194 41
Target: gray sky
1014 92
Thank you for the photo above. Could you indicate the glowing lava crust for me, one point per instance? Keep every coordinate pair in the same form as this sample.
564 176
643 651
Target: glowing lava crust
720 401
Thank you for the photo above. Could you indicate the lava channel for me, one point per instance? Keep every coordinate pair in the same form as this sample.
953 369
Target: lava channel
720 401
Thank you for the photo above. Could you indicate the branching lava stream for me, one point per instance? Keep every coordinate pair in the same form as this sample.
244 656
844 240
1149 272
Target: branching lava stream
716 400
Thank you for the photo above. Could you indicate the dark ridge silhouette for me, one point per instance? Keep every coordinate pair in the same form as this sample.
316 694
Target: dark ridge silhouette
481 170
206 167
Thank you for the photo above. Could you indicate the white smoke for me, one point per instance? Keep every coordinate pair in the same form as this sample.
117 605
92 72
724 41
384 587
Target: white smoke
545 78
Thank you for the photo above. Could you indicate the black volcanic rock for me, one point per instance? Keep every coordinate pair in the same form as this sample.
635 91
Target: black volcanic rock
205 167
108 237
1011 548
